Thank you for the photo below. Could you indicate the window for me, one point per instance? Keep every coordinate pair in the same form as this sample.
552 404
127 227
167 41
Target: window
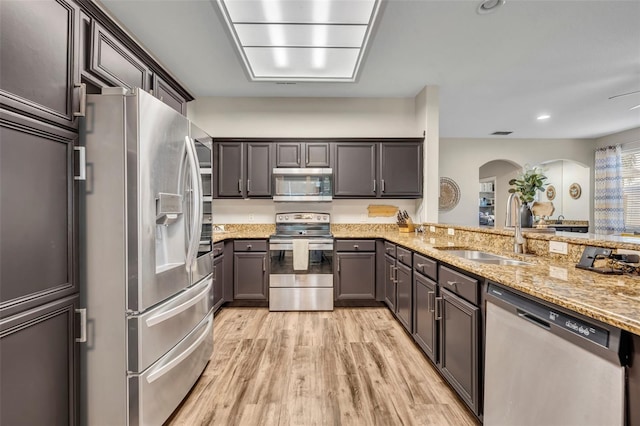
631 186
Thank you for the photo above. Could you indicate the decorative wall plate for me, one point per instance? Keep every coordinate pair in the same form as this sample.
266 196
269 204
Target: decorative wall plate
551 192
449 194
575 191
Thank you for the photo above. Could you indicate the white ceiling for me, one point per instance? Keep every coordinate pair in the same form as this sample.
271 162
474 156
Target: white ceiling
496 72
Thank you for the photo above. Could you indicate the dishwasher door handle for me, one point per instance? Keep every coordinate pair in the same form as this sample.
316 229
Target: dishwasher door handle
534 320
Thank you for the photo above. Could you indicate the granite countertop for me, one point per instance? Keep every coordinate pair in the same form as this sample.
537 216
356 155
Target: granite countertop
612 299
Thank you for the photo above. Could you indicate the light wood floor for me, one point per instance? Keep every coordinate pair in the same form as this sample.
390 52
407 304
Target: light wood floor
352 366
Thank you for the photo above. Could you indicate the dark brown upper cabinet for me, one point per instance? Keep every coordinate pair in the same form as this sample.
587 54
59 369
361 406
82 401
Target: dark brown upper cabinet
113 63
354 171
243 169
303 154
401 169
39 59
371 169
167 94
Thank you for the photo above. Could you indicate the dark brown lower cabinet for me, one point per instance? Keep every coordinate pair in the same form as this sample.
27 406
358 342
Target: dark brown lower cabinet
633 382
250 276
404 296
459 326
389 282
355 276
39 365
424 320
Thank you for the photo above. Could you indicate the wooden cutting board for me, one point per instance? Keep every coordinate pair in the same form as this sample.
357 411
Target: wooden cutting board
381 210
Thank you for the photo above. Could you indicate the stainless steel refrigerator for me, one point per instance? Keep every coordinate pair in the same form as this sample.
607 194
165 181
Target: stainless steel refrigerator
146 286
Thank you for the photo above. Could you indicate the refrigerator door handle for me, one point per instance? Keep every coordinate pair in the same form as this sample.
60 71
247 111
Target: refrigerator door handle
161 317
196 223
177 360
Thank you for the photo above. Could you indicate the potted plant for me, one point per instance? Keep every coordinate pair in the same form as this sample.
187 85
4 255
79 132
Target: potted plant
526 185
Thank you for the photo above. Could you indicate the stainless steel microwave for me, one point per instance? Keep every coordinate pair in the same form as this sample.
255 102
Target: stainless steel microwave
302 184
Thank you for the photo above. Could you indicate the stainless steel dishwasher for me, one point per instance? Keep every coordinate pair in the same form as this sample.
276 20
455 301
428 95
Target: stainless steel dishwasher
544 366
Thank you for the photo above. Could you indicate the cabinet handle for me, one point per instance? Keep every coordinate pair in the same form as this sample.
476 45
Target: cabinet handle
338 265
355 247
215 273
438 310
420 265
83 100
239 185
83 325
382 185
452 283
395 274
264 265
391 273
431 301
248 186
248 246
82 162
374 185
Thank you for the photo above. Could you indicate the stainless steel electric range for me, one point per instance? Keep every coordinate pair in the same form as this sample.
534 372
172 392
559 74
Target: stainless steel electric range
301 253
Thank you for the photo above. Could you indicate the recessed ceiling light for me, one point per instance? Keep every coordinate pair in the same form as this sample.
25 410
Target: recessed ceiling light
544 117
317 40
488 6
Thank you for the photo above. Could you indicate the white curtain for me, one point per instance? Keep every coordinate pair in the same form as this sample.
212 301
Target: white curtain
608 204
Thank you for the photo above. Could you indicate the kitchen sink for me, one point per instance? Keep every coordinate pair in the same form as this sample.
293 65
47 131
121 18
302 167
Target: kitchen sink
483 256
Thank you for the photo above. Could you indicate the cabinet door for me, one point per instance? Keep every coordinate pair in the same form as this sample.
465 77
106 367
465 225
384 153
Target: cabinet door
317 154
38 58
169 95
404 297
37 253
229 164
259 168
250 275
459 347
356 276
218 282
39 367
114 63
289 154
401 169
424 323
390 282
355 170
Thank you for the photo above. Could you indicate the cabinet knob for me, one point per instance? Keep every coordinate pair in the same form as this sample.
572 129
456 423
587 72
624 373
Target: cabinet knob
355 246
248 246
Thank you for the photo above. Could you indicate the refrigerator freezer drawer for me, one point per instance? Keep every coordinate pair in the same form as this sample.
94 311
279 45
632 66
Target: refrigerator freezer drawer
154 394
153 333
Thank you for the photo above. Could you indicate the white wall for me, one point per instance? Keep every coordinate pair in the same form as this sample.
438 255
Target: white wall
632 135
460 160
305 117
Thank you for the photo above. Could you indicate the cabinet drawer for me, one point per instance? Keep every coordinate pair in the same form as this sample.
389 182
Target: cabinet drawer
218 249
390 249
459 284
403 255
355 245
250 245
425 266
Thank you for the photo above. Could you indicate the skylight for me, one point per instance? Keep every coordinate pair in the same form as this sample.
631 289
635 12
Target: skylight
301 40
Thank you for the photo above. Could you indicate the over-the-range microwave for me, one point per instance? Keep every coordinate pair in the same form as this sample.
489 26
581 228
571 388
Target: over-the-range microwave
302 184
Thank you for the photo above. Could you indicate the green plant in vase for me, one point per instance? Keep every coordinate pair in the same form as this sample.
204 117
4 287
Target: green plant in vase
526 185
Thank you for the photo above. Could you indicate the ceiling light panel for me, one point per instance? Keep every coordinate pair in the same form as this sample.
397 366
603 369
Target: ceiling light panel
301 11
300 40
283 62
252 35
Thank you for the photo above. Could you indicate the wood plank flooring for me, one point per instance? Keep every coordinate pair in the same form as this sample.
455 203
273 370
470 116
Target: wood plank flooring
352 366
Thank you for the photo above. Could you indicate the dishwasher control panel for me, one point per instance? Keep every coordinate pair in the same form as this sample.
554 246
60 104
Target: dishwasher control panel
544 316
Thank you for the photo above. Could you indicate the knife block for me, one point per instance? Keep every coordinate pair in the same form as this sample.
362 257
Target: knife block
407 227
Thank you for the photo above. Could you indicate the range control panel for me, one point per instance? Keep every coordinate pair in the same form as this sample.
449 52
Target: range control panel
303 218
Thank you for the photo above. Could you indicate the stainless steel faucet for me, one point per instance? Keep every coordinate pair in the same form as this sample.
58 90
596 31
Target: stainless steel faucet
518 239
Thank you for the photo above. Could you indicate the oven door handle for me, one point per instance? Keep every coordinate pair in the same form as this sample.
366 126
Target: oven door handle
289 246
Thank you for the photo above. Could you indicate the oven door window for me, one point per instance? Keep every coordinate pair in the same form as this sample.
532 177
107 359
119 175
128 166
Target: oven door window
320 262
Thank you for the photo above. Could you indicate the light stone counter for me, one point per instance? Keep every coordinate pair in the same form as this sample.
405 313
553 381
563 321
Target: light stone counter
611 299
